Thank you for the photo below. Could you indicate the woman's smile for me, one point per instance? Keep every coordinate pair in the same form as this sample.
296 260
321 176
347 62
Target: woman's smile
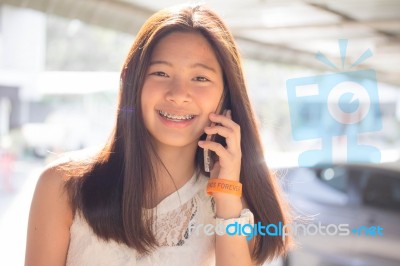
176 120
175 117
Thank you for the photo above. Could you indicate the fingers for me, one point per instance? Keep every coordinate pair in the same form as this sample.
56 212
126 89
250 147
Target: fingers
229 114
225 120
222 131
225 127
232 140
230 155
215 147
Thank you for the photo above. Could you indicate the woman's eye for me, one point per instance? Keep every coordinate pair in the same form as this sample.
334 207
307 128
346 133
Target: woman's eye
202 79
159 73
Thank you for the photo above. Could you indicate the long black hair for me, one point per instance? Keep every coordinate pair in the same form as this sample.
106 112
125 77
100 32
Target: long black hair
111 190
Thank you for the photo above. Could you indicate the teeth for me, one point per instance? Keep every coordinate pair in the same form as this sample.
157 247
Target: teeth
175 117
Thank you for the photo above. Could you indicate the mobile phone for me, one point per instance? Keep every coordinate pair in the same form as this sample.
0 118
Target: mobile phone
210 156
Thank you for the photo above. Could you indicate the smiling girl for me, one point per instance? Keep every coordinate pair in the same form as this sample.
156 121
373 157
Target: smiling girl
136 201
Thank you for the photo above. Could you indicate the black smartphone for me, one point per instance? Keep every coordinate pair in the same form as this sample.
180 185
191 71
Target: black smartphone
210 156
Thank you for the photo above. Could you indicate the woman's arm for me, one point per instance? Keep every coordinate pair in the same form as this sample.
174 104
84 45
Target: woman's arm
235 249
49 221
230 250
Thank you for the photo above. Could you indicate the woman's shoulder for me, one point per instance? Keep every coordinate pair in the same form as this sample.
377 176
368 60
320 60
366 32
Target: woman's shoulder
51 213
73 156
55 174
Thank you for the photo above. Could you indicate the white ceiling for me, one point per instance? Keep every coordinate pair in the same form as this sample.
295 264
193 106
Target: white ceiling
286 31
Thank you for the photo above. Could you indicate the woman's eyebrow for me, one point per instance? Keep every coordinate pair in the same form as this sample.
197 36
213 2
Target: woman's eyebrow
195 65
203 66
162 62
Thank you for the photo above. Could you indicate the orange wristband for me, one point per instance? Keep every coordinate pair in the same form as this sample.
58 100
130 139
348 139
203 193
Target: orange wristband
224 186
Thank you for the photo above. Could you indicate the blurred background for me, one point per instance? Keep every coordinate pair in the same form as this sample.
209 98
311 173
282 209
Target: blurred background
59 78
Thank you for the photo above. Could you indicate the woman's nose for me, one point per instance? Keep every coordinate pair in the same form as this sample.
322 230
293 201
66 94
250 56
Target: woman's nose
178 92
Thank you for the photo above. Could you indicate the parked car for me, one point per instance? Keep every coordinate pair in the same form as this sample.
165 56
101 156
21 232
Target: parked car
361 198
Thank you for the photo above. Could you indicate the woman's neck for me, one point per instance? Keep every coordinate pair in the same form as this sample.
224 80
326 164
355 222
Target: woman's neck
180 163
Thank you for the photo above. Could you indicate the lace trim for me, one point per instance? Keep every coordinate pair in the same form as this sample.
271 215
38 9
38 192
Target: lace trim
171 229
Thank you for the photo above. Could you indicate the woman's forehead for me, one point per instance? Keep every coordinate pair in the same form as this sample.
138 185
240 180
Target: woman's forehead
190 46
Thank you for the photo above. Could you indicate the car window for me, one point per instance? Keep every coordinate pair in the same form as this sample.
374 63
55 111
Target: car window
334 177
317 186
382 190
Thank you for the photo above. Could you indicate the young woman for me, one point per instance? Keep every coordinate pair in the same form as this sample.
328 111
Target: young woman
141 200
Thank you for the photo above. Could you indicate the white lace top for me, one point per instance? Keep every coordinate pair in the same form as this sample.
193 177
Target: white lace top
179 245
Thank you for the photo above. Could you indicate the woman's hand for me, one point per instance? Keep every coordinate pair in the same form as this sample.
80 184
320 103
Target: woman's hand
227 205
229 157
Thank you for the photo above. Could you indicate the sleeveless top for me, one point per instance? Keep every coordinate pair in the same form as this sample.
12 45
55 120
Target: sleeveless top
175 217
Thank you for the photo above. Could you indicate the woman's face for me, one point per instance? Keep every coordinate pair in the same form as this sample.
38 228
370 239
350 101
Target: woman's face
183 85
